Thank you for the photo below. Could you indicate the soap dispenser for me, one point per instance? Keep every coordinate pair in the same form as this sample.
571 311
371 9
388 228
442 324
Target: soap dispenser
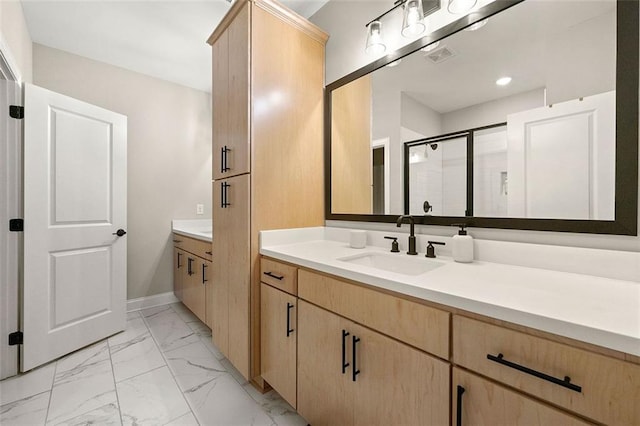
462 245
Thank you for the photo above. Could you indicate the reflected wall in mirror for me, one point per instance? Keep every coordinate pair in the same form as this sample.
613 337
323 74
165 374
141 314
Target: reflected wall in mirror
557 155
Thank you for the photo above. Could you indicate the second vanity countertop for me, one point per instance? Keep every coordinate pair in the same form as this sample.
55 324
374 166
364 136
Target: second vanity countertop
200 229
602 311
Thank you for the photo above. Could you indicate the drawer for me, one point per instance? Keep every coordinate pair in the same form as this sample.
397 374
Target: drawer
609 389
279 275
418 325
194 246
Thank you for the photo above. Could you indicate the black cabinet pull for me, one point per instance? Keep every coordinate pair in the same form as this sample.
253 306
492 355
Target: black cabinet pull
223 159
345 364
354 369
209 253
566 382
179 254
224 203
203 280
189 270
459 406
272 275
289 329
177 241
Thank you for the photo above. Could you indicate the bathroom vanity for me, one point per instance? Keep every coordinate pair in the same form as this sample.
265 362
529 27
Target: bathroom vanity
479 343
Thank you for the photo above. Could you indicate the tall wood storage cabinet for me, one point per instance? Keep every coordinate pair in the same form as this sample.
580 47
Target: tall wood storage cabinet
268 76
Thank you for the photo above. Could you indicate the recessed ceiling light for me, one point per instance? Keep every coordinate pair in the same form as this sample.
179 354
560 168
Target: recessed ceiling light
477 25
503 81
430 47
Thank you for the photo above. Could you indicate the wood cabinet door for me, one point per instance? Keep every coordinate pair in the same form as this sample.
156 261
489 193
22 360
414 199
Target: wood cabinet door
396 384
477 401
179 260
193 287
231 274
278 313
325 396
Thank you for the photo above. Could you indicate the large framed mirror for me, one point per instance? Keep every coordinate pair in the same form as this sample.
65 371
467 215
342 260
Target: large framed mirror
430 130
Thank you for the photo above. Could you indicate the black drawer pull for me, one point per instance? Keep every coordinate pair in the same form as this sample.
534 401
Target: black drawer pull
179 254
203 267
354 369
177 241
345 364
209 253
272 275
289 329
459 406
566 382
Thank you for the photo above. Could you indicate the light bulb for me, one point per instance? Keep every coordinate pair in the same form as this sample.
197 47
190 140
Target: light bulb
375 42
413 24
458 7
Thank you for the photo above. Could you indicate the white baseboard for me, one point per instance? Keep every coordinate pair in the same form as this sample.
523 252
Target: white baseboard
151 301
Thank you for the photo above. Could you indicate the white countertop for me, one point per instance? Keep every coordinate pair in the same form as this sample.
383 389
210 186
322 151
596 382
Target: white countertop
201 229
602 311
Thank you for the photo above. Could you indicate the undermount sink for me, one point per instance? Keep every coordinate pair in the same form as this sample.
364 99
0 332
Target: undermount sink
400 264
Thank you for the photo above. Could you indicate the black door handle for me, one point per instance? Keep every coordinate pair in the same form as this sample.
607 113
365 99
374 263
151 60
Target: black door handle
119 232
179 254
289 329
354 368
345 364
203 280
459 406
189 270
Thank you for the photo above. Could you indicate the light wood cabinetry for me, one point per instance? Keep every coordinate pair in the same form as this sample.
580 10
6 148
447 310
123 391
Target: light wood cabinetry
279 341
595 386
478 401
192 266
351 375
268 66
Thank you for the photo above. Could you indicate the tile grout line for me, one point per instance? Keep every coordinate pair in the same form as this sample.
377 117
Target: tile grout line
53 382
144 319
115 384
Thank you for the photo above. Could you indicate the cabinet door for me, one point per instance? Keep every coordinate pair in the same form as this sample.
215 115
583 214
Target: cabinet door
477 401
278 341
230 97
231 274
193 288
325 396
396 384
179 260
208 290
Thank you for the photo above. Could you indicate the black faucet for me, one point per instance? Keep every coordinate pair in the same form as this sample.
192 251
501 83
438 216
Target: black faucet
412 237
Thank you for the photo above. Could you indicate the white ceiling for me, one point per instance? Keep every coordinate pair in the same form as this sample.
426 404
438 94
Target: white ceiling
165 39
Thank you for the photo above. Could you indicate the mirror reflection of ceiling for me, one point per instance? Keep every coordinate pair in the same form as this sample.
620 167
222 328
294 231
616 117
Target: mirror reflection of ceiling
533 42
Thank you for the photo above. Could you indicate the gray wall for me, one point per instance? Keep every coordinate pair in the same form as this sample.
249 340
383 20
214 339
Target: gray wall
169 153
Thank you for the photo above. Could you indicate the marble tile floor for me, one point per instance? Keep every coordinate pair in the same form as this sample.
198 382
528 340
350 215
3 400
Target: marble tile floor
162 370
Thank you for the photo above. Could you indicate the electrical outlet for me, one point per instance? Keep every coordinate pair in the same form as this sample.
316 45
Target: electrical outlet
199 208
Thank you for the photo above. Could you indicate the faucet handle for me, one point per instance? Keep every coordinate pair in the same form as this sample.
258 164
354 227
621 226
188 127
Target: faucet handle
431 250
394 244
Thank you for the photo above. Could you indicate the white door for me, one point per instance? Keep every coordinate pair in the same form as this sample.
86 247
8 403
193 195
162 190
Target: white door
75 269
561 160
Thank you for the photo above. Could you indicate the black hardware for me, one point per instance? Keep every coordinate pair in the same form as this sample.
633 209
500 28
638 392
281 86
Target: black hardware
16 338
345 364
119 232
189 270
177 241
459 406
16 225
223 195
209 253
431 251
223 159
179 254
412 236
426 206
272 275
203 280
354 369
566 382
428 7
394 244
16 111
289 329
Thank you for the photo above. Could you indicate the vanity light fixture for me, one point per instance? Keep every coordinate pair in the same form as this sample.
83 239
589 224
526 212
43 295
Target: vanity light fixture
413 19
375 42
394 63
503 81
477 25
412 23
459 7
430 47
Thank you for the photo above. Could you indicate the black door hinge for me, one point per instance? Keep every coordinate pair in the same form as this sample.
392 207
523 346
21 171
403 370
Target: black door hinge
15 338
16 111
16 225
